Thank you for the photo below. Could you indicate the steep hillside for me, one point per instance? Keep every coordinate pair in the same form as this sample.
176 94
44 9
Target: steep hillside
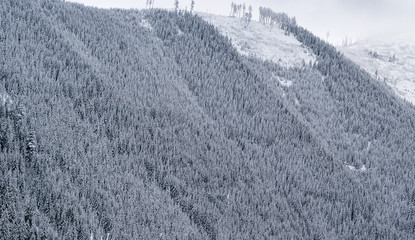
127 124
358 121
392 62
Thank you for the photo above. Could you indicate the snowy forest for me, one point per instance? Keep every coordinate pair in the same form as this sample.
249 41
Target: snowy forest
149 124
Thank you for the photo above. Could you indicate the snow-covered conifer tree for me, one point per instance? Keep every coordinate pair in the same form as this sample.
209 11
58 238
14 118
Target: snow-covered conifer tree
192 5
176 5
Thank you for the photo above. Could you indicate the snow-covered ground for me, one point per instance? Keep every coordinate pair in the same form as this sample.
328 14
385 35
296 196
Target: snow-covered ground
390 61
145 24
262 41
353 168
5 102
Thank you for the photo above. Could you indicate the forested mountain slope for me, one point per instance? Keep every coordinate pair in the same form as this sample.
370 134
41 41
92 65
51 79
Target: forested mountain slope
150 125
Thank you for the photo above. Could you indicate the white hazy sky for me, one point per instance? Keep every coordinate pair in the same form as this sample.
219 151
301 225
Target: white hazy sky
358 19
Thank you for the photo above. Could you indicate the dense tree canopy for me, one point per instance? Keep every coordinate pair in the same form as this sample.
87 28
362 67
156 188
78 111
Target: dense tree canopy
149 125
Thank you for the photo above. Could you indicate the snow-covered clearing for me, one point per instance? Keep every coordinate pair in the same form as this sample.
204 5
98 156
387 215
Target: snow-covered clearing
392 62
262 41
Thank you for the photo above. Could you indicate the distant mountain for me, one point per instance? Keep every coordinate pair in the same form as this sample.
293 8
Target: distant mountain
125 124
391 62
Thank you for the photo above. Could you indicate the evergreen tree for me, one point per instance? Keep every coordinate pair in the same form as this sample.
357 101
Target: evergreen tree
192 6
176 5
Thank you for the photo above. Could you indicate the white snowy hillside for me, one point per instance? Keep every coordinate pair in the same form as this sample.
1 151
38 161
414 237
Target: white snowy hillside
390 61
262 41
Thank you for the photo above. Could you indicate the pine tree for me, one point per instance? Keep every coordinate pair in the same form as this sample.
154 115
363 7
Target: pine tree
192 6
176 5
249 14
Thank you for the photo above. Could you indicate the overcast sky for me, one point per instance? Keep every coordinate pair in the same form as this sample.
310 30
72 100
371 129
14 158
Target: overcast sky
358 19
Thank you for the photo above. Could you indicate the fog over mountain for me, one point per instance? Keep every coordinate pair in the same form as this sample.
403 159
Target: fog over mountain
356 19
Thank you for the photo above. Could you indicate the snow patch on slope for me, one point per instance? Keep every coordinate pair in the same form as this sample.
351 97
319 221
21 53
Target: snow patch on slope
5 99
262 41
5 102
353 168
392 62
145 24
285 83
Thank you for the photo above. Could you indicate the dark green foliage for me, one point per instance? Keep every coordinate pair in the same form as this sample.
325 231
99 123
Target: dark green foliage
126 132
